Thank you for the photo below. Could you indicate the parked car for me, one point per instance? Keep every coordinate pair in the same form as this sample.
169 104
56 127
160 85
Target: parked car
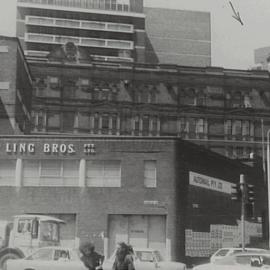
147 259
46 258
239 261
222 252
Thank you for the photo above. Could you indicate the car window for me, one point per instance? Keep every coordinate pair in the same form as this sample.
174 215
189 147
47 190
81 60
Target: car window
44 254
235 251
145 256
247 260
61 254
222 252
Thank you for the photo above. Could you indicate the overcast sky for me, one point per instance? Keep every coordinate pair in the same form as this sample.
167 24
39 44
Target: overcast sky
232 44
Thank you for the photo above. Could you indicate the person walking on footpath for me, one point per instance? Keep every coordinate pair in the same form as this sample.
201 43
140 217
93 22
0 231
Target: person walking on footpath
123 258
90 258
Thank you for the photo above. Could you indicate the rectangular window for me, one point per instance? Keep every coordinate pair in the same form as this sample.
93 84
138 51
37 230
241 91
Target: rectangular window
68 121
103 173
50 172
126 124
237 127
183 125
53 120
228 127
136 120
114 124
168 125
7 172
150 174
246 128
154 125
200 126
105 124
145 126
96 123
84 121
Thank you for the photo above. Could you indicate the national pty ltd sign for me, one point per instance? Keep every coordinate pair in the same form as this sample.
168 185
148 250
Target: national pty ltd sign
210 183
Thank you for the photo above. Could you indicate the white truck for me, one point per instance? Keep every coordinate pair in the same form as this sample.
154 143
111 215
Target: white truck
27 233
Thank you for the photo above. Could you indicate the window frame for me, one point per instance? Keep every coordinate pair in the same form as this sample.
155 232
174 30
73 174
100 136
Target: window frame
101 179
154 179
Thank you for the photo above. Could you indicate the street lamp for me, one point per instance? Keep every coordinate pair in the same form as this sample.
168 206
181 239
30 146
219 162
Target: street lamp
268 183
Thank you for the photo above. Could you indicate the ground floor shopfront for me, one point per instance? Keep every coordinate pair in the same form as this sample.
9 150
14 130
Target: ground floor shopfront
111 189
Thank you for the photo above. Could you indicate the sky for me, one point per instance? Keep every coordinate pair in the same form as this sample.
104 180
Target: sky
233 44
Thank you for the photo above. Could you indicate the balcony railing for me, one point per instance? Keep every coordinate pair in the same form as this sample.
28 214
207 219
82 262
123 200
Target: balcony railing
79 24
43 54
79 41
113 5
112 58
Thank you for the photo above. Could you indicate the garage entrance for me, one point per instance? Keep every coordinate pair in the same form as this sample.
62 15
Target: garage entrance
138 230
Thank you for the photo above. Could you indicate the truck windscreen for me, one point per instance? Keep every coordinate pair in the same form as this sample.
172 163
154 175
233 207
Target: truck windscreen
49 231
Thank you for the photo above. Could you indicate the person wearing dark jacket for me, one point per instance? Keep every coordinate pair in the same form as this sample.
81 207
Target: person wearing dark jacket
123 258
90 258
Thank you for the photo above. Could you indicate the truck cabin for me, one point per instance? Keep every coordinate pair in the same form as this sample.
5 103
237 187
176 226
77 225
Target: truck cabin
40 230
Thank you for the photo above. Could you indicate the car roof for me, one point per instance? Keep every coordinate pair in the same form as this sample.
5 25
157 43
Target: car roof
267 253
239 248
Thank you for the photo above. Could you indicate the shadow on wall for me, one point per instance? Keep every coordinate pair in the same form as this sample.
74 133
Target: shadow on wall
150 54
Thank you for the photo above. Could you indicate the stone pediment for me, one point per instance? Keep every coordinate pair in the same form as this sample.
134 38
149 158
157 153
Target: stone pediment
69 53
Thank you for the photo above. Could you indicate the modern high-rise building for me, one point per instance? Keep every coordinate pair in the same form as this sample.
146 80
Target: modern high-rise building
110 30
181 37
115 30
262 58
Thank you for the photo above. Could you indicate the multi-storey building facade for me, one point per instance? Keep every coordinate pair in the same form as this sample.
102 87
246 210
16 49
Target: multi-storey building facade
179 37
110 30
140 190
226 110
130 116
15 88
115 30
262 58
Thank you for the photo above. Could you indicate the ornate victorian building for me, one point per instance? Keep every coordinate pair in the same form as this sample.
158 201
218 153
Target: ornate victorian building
225 110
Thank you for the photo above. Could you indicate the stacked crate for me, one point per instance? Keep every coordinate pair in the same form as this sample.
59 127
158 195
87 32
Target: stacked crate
197 244
203 244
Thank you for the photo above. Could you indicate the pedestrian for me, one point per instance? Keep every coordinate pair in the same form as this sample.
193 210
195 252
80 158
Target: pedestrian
123 258
90 258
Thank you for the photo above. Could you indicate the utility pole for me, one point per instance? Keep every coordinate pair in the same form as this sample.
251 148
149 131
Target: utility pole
243 203
244 194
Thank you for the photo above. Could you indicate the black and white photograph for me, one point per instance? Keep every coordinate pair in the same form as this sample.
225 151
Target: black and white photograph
134 135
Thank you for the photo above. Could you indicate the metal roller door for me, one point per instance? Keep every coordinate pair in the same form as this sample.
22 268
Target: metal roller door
138 230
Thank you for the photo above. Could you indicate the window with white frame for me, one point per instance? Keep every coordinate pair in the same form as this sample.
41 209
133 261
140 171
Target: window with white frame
50 172
200 125
7 172
237 127
246 128
228 127
150 173
103 173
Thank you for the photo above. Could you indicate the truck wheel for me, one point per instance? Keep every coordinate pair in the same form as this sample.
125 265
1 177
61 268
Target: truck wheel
8 256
